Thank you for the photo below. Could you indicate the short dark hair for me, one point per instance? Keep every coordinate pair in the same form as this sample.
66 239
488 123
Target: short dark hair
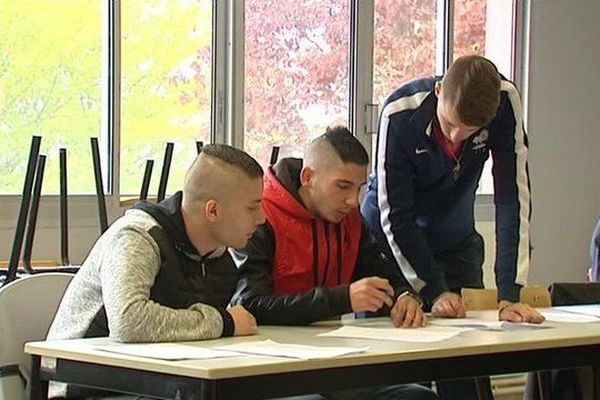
235 157
346 146
472 86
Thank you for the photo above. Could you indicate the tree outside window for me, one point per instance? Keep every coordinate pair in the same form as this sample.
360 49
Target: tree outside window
165 87
296 73
50 85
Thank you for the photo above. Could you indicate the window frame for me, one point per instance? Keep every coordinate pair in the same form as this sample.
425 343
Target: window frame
227 96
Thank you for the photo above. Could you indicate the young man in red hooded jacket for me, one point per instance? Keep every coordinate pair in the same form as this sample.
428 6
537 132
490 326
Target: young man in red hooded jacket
315 258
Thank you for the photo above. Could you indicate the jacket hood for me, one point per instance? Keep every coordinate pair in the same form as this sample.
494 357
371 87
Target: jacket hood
282 182
168 214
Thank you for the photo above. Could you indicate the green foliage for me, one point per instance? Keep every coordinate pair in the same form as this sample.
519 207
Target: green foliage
165 86
50 77
51 84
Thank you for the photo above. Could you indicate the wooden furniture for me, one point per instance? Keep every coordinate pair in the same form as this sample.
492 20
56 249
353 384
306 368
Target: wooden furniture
486 299
480 299
535 296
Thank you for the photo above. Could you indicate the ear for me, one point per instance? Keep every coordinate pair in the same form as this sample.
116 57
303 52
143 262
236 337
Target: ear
306 175
438 89
212 211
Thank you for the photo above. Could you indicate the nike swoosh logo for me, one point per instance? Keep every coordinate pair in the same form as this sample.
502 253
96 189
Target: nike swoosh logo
421 151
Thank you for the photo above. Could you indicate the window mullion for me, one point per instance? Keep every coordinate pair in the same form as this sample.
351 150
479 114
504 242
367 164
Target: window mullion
444 36
228 72
111 125
219 80
520 54
361 68
235 74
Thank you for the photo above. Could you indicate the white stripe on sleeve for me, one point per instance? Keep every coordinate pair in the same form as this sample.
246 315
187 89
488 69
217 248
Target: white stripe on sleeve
523 194
402 104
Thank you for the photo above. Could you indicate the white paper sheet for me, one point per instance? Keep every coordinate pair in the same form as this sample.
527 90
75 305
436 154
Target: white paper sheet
587 309
516 326
564 316
272 348
418 335
166 351
476 323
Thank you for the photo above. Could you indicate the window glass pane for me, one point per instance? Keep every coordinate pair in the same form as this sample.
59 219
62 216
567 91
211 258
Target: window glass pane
485 28
469 27
165 87
296 73
404 44
50 85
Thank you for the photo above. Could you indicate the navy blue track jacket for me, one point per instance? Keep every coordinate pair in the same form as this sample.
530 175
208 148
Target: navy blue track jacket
421 208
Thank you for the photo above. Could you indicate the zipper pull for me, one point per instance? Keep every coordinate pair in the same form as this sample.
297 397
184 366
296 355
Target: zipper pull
203 265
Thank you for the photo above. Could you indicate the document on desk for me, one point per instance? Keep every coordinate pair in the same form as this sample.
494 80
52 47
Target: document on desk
555 315
476 323
275 349
166 351
586 309
419 335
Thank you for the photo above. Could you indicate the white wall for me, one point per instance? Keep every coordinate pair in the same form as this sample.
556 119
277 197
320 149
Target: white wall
564 134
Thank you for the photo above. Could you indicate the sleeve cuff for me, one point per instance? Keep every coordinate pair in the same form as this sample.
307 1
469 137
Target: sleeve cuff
339 299
510 292
228 324
430 292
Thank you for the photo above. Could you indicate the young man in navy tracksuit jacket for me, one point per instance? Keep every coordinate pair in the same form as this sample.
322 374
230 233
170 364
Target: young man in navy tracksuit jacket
434 138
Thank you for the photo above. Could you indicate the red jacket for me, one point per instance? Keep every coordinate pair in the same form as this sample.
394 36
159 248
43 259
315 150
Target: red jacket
292 271
308 253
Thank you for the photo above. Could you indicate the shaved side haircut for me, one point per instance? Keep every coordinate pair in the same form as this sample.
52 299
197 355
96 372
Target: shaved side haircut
216 174
234 157
335 145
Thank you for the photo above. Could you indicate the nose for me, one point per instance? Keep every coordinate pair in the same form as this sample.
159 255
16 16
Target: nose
352 200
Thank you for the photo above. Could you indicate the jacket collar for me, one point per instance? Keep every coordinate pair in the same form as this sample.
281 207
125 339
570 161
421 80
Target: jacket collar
424 114
282 182
168 214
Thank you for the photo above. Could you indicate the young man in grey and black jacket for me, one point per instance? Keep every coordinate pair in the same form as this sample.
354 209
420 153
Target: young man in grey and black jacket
162 272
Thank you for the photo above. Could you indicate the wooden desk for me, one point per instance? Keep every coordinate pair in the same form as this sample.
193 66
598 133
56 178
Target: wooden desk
473 353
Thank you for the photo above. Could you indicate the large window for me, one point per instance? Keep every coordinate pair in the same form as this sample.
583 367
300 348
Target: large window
57 59
406 33
296 73
469 27
165 87
50 85
485 28
404 44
